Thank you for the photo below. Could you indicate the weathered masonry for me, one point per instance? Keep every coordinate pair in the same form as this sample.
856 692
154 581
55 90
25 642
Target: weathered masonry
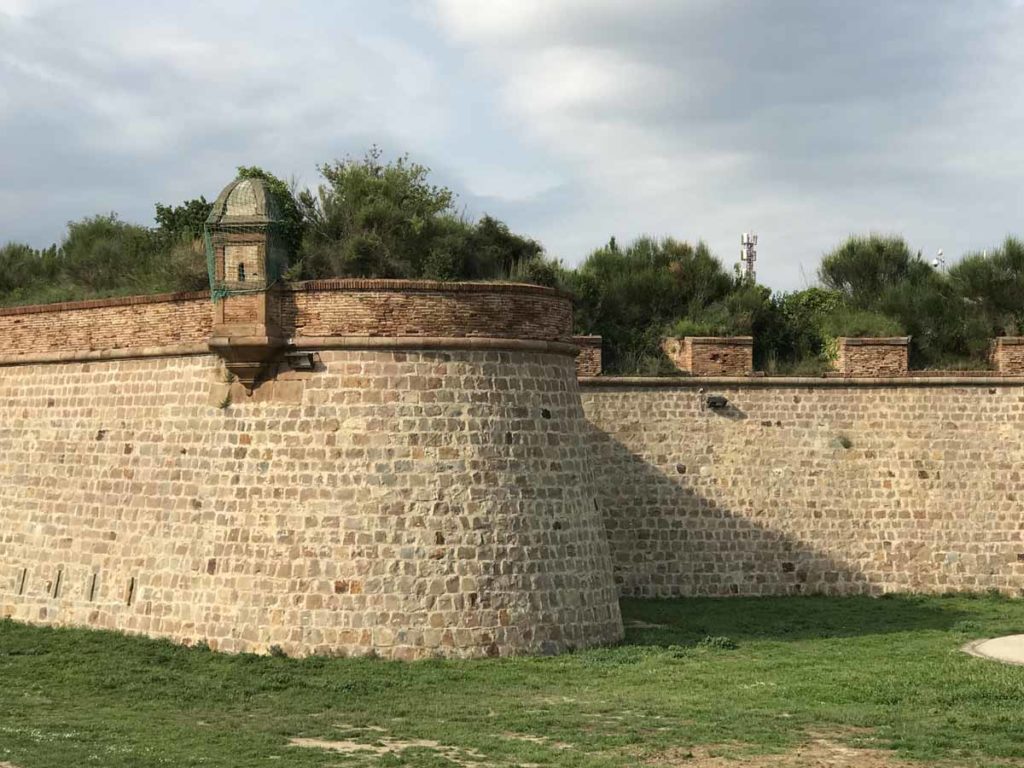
840 486
412 478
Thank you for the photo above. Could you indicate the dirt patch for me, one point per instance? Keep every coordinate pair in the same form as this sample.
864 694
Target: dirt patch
372 741
819 752
535 740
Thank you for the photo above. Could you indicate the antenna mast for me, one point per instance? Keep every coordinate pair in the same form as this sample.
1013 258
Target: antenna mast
748 255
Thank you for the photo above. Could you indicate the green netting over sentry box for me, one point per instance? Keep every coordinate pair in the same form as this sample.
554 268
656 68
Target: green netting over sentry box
245 252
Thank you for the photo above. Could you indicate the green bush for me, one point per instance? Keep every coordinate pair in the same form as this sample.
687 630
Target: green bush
860 323
629 296
385 219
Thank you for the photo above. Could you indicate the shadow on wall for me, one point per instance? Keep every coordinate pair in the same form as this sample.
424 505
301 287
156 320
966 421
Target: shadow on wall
667 540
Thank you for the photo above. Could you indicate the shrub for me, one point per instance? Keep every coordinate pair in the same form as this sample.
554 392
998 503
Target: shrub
860 323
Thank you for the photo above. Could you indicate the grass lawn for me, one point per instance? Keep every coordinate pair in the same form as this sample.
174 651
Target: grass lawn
698 682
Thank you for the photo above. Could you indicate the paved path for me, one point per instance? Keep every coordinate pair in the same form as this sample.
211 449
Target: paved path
1009 649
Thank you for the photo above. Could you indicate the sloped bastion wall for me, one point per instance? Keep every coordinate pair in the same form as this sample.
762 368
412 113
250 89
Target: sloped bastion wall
425 489
836 486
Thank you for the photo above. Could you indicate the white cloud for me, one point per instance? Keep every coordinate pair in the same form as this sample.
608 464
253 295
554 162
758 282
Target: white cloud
130 103
803 121
570 119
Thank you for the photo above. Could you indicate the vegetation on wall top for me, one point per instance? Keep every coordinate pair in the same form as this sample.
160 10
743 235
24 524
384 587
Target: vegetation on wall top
374 218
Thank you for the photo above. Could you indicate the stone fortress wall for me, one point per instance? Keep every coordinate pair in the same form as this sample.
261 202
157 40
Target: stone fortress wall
439 483
425 490
839 486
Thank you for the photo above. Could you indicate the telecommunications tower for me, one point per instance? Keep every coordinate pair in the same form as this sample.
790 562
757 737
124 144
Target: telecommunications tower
748 255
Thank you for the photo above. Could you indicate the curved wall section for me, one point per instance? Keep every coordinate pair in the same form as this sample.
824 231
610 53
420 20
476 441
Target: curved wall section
320 308
424 308
406 502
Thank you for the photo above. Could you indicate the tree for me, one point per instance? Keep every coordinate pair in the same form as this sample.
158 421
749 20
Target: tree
385 219
992 287
863 267
629 296
187 219
376 219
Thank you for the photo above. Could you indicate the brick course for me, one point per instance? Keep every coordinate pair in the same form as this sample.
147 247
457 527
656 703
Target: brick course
424 308
320 308
121 323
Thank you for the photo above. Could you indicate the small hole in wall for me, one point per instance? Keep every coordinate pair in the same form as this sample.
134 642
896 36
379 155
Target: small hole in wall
241 273
545 413
129 595
1020 557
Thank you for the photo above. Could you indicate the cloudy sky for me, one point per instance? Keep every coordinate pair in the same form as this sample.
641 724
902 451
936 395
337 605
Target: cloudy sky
572 120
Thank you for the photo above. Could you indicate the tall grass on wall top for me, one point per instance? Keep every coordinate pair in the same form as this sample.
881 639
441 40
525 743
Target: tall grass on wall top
855 323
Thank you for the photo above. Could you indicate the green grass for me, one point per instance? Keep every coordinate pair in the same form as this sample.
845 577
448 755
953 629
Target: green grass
757 674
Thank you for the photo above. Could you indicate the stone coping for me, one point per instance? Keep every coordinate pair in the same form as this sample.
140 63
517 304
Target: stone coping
98 355
355 285
691 382
308 343
874 341
433 343
360 284
115 301
1009 341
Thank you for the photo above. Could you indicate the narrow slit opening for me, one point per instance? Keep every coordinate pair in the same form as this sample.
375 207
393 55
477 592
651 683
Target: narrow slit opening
56 583
22 581
131 591
92 587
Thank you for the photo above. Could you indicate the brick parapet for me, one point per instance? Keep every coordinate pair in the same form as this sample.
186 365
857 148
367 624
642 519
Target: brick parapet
589 358
888 356
1007 355
325 308
711 355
